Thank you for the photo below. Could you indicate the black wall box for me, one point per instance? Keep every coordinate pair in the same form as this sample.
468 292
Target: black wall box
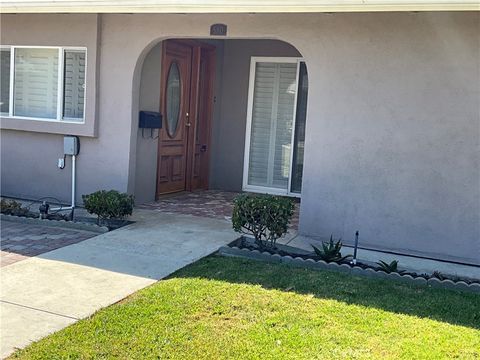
150 120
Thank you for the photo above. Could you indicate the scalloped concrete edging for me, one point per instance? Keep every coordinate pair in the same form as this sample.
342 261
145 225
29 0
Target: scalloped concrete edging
355 270
56 223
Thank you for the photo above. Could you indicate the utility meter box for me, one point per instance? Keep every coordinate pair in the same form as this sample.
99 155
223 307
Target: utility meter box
71 145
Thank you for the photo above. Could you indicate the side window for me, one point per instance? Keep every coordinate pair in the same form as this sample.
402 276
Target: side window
48 83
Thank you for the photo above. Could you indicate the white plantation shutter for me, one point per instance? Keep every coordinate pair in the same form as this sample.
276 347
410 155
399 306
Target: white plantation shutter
36 82
271 127
5 80
74 84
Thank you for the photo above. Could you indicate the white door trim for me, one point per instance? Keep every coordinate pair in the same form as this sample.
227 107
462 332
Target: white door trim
248 129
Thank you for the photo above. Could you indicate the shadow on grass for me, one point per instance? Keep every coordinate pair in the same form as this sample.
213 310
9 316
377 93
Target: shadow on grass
454 307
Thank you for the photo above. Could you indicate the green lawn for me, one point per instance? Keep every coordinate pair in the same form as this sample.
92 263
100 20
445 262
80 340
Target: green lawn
226 308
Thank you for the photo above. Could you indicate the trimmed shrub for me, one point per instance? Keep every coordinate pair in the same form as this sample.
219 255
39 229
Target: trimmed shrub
109 204
266 217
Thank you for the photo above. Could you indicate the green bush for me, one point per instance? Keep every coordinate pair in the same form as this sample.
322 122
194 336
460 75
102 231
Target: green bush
109 204
266 217
12 207
331 251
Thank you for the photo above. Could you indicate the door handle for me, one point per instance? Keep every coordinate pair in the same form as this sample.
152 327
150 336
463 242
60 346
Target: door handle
203 148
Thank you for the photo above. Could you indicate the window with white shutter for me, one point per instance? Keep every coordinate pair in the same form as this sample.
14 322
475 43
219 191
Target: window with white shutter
43 83
271 125
4 80
36 83
74 84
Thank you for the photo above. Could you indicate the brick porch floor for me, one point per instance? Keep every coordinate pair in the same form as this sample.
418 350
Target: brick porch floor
20 241
209 203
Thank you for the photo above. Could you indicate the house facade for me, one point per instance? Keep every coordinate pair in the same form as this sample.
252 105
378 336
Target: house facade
371 117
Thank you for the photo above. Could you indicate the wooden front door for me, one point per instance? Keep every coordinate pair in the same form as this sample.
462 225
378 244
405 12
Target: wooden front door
203 115
186 104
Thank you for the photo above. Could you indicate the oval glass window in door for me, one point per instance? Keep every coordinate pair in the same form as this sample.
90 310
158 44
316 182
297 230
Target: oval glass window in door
172 99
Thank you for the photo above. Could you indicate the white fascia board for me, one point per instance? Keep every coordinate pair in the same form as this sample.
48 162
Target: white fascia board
232 6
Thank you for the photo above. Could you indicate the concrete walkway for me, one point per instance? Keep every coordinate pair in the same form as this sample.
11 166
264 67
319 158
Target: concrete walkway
44 294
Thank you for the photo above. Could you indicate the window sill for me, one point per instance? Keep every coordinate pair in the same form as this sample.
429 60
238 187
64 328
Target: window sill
21 118
85 128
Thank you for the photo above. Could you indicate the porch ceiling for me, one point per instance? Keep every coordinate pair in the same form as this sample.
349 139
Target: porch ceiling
232 6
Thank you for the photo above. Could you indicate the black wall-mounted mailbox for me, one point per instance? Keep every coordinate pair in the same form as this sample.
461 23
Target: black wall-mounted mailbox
150 120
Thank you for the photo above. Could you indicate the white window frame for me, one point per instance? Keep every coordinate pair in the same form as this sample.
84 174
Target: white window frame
248 131
61 68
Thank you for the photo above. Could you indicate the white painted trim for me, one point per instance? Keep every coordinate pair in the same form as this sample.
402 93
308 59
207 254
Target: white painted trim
69 121
60 85
12 76
269 190
237 6
248 128
275 59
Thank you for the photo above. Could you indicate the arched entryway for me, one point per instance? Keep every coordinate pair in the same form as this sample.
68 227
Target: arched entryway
213 95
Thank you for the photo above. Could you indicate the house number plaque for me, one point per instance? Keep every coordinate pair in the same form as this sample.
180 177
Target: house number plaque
218 29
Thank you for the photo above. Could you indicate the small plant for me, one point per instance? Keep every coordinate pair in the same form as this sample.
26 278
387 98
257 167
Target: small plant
12 207
266 217
438 275
389 268
331 251
108 204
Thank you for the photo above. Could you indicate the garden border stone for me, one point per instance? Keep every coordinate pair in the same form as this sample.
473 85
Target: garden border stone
233 251
56 223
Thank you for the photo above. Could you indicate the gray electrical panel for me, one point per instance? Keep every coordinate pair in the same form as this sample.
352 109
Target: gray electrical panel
71 145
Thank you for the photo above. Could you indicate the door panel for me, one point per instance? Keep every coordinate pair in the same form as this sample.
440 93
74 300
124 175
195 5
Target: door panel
175 102
202 129
187 108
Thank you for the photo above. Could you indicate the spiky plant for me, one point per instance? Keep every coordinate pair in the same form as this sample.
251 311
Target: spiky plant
331 251
389 267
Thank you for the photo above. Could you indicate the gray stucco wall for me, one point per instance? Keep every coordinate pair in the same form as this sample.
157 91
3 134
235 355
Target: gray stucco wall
147 148
393 133
29 158
84 30
393 123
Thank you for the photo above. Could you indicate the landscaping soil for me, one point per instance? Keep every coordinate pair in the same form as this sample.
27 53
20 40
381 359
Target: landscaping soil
284 250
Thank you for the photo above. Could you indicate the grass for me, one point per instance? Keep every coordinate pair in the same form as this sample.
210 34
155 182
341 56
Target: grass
227 308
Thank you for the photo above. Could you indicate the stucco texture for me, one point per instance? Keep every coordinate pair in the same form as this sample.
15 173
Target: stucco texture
393 128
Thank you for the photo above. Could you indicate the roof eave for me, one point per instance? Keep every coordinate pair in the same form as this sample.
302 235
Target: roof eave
114 7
